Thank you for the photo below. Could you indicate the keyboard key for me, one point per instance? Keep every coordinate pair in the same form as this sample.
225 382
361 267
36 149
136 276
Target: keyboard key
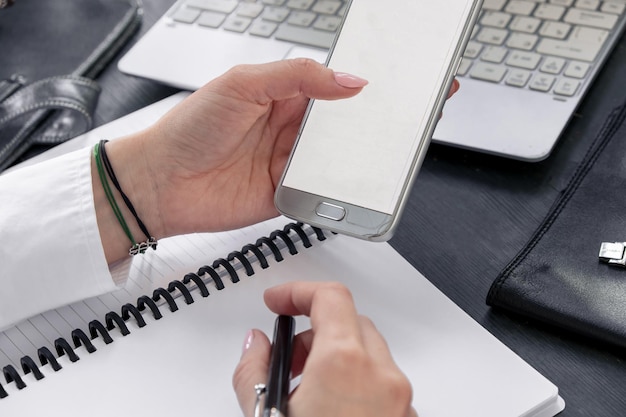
613 7
566 3
275 14
557 30
185 15
306 36
525 41
577 69
262 28
518 78
251 10
472 50
552 65
549 12
301 18
464 67
493 4
495 19
542 82
300 4
566 87
211 19
588 4
525 24
274 2
520 7
488 72
326 6
492 36
222 6
237 24
328 23
590 18
495 54
525 60
583 45
475 31
342 11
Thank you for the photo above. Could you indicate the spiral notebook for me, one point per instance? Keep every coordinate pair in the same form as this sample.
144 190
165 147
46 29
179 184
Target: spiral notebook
168 342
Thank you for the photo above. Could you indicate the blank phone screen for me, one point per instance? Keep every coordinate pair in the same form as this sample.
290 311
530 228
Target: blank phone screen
360 150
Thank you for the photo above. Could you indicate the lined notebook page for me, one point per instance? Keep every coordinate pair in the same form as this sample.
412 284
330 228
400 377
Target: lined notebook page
174 258
175 255
183 363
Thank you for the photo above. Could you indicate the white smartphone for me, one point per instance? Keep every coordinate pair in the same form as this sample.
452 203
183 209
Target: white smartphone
355 160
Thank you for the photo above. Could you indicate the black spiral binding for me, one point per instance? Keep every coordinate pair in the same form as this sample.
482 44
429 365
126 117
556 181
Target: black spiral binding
219 269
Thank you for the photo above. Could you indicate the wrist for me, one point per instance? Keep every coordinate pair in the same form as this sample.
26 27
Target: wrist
129 215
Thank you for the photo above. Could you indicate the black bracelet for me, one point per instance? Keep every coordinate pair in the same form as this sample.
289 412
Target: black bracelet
151 241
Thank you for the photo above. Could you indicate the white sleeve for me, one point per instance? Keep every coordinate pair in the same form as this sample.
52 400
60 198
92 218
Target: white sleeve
50 248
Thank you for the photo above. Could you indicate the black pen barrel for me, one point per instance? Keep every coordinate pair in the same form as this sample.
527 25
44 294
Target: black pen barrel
277 388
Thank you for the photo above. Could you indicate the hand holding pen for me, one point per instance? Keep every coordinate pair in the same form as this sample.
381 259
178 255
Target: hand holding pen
345 365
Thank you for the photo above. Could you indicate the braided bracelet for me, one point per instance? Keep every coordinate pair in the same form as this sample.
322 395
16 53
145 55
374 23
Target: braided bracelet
103 163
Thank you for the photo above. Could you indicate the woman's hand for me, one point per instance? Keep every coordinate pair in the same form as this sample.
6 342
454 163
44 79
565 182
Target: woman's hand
345 365
212 163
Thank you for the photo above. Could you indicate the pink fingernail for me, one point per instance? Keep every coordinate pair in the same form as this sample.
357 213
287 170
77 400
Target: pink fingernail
349 81
247 342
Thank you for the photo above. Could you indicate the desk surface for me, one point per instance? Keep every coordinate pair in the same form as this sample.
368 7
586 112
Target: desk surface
468 215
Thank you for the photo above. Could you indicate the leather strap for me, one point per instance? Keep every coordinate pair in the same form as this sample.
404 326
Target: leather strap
48 112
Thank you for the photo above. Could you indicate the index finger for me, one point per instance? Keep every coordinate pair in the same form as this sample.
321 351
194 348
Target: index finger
329 305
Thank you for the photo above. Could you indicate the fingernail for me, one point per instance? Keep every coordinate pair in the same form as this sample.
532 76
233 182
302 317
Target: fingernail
247 342
349 81
456 85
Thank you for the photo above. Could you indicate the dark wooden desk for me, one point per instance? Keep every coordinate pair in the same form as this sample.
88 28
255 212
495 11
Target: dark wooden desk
468 215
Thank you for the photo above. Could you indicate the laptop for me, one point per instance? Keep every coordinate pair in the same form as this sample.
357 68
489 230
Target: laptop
526 68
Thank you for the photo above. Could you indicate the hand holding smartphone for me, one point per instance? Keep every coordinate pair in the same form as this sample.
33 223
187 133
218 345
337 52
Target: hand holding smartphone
355 160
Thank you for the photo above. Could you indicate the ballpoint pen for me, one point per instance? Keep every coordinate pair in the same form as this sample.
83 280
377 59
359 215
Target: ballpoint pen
276 391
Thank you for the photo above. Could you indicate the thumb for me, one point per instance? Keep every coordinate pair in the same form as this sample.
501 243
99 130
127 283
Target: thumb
281 80
251 370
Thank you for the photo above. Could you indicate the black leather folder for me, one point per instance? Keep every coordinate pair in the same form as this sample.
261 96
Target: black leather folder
50 54
560 277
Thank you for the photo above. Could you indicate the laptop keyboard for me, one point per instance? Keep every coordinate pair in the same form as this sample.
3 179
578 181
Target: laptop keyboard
550 46
304 22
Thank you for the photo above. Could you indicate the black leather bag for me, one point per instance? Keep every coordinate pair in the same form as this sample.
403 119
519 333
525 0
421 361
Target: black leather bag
559 277
50 54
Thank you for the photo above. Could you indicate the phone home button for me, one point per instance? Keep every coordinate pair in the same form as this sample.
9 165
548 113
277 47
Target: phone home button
330 211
